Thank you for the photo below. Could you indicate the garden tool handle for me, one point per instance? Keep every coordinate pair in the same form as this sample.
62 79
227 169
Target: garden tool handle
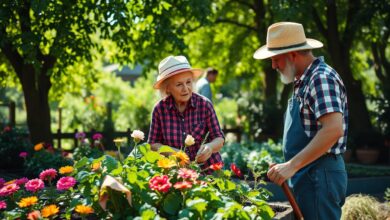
291 199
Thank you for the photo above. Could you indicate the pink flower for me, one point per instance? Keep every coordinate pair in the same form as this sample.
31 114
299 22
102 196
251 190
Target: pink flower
9 189
2 181
34 185
160 183
21 181
138 135
7 128
183 185
23 154
3 204
97 136
64 183
188 174
48 174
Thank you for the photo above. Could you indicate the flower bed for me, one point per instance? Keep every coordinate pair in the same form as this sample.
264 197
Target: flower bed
145 184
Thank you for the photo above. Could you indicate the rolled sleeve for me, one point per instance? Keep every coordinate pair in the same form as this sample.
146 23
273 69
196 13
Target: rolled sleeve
213 123
155 131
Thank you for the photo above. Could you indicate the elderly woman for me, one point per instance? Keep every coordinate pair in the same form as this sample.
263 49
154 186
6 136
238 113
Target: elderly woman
182 112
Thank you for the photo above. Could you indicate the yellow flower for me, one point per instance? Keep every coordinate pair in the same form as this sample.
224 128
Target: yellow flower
38 147
49 210
183 157
28 201
119 141
96 166
112 153
165 163
9 182
66 169
84 210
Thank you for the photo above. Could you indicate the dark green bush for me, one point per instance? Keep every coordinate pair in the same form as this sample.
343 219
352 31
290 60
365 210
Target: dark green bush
12 142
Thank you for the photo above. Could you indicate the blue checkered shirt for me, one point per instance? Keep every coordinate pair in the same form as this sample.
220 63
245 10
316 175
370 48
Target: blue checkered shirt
320 90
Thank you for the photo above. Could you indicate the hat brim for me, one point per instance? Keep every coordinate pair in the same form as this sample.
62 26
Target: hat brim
196 73
264 53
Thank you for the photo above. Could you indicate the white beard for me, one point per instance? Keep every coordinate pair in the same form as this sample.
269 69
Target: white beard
288 75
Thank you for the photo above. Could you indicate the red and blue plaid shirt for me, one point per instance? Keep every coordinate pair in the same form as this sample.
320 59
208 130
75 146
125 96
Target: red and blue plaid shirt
170 127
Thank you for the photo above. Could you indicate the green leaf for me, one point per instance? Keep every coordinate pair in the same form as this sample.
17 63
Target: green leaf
200 205
165 149
172 203
229 185
110 163
152 156
117 171
82 176
132 177
81 163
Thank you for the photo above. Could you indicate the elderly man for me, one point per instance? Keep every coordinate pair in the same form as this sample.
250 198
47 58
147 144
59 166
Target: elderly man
315 126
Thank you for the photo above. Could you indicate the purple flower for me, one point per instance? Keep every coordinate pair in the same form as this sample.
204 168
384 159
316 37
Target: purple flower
80 135
23 154
97 136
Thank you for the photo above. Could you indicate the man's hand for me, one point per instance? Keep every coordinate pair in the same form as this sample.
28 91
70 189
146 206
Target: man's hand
278 173
204 153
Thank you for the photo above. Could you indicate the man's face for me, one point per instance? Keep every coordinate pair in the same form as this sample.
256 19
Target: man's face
212 78
285 67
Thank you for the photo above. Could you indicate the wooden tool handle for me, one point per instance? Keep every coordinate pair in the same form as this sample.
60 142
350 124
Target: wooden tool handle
291 199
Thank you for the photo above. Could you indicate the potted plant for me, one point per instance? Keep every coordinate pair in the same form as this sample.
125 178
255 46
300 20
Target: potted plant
370 145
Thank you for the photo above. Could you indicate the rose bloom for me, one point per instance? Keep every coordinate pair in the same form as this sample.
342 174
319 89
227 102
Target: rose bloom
34 185
21 181
64 183
216 166
23 154
166 163
48 174
183 185
3 204
183 157
28 201
188 174
38 147
97 136
9 189
84 210
34 215
160 183
49 210
66 169
137 135
236 170
189 141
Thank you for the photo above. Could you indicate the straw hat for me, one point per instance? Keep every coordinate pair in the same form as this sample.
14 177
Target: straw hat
174 65
285 37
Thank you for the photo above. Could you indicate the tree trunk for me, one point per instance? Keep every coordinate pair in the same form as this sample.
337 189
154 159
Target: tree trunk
36 95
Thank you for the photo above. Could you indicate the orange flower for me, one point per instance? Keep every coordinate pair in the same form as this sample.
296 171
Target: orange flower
66 169
9 182
165 163
28 201
183 157
216 166
183 185
49 210
38 147
84 210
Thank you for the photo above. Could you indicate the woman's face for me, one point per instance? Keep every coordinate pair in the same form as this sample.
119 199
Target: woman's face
180 87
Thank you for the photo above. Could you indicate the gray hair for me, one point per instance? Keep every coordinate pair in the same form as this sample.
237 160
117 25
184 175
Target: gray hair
164 85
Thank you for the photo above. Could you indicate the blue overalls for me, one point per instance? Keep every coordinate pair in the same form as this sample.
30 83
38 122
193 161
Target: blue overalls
319 187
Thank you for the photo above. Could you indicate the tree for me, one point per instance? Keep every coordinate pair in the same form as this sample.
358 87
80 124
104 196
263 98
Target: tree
41 38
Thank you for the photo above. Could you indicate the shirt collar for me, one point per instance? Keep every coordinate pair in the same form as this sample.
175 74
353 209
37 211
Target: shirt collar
171 102
309 70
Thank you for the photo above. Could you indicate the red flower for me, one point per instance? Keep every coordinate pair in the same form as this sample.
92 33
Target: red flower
183 185
216 166
236 170
160 183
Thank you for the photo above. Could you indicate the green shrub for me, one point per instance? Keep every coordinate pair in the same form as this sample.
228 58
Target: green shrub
12 142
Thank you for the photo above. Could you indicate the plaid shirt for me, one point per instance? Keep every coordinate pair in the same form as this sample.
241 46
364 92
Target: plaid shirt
320 90
170 127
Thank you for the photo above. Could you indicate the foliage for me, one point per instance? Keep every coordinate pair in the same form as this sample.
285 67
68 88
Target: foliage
44 158
149 185
226 110
360 207
252 157
357 170
13 141
387 194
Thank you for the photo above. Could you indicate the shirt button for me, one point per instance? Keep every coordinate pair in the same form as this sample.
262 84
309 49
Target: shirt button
184 133
183 119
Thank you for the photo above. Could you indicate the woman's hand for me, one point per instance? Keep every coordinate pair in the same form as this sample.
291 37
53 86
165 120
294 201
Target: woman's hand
204 153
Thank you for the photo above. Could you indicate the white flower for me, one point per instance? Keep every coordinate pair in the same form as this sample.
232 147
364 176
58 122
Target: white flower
138 135
189 140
